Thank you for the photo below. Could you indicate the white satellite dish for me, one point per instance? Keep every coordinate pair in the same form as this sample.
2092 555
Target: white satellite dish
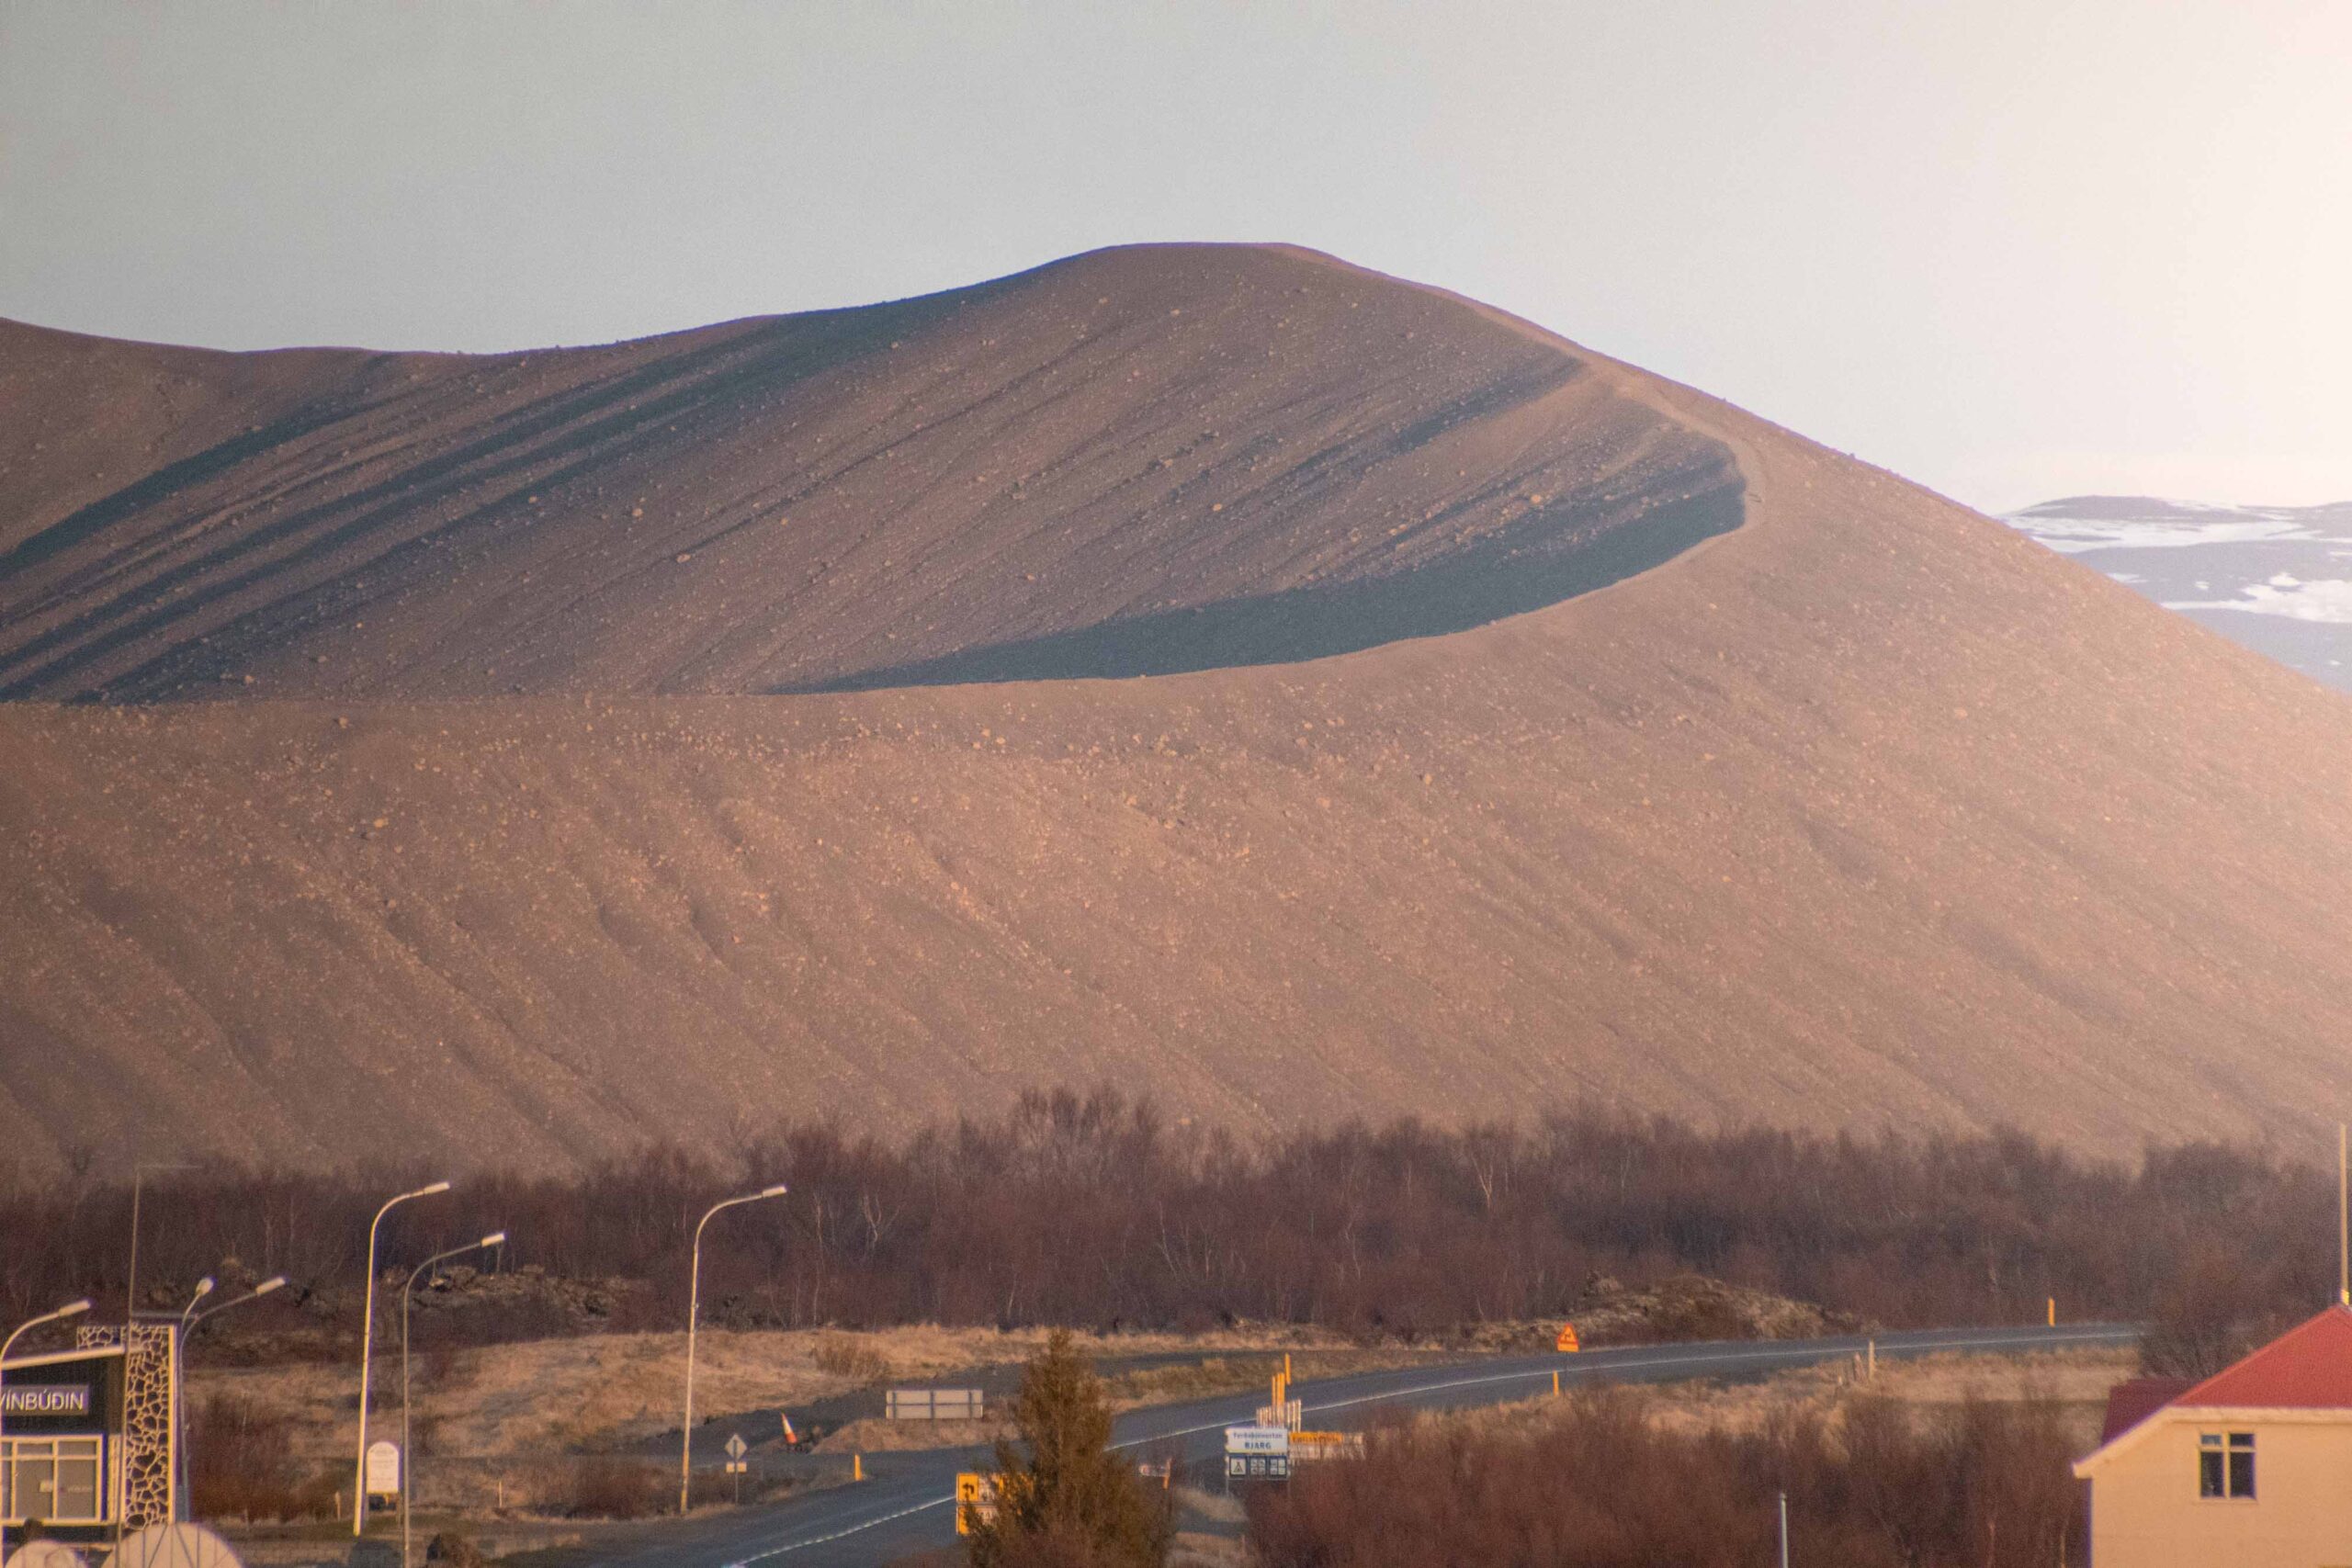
173 1546
47 1554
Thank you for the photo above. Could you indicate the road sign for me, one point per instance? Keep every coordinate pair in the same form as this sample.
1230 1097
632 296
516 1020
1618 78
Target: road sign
933 1405
735 1448
976 1498
1567 1340
1263 1438
383 1470
1257 1453
1307 1448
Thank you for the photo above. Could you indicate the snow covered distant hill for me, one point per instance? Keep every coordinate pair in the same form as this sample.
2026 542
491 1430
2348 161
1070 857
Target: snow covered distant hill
2278 579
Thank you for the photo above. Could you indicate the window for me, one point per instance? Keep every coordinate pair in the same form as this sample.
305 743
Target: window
2225 1465
52 1479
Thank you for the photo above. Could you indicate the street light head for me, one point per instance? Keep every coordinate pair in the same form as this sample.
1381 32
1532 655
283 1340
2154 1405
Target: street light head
73 1309
204 1287
429 1191
495 1238
778 1191
274 1282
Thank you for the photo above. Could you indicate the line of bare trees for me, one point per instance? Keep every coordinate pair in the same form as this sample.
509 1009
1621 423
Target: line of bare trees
1093 1210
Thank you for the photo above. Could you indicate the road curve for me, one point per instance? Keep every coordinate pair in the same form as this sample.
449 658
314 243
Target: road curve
905 1505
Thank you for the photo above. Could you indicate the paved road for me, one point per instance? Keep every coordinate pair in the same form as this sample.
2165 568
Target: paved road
906 1505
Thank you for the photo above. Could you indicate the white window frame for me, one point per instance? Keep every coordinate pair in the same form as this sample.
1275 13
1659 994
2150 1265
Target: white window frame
2227 1447
53 1449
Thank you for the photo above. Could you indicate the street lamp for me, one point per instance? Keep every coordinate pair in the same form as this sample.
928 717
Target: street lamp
70 1309
366 1344
408 1457
191 1321
274 1282
203 1289
179 1404
694 1303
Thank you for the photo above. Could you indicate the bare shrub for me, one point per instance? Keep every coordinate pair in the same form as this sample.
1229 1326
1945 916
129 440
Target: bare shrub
2208 1314
603 1486
1057 1546
847 1356
1603 1487
242 1462
454 1548
1687 1312
446 1370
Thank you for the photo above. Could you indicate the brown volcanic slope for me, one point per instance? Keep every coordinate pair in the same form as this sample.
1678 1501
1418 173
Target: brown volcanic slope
1125 464
1868 811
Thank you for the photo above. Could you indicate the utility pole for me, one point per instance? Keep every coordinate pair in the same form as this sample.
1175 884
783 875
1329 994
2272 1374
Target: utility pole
2342 1222
121 1483
1784 1530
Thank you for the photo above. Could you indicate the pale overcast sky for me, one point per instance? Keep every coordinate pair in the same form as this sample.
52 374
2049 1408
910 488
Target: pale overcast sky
2011 248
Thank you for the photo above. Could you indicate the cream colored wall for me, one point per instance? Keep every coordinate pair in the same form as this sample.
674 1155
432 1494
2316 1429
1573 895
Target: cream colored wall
2145 1511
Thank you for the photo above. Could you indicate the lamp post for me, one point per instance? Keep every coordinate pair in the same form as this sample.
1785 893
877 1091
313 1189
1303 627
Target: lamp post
274 1282
70 1309
189 1321
366 1344
408 1456
179 1401
693 1304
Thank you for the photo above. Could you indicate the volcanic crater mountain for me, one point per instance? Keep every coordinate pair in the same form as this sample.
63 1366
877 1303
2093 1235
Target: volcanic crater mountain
1280 689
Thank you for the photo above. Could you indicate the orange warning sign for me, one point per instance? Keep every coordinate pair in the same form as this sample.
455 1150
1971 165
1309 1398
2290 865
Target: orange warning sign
1567 1340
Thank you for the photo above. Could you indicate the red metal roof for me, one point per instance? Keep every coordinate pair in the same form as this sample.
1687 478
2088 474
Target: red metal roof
2307 1367
2128 1404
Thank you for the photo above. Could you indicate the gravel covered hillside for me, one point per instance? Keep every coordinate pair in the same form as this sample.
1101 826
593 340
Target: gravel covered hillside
1730 777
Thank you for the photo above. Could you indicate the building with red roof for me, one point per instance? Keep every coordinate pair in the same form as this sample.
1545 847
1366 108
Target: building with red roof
2251 1468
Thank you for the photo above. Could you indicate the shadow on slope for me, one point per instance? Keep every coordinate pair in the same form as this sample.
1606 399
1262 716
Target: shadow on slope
1543 560
296 569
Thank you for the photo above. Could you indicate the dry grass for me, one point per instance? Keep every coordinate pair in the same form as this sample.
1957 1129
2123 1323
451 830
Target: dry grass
876 1435
1195 1548
1128 1390
593 1391
2078 1379
1236 1374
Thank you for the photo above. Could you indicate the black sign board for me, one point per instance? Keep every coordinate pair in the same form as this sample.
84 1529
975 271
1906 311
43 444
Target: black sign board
68 1392
59 1419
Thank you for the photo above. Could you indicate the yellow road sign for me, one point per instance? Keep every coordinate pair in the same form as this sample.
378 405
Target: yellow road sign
1567 1340
1309 1446
974 1500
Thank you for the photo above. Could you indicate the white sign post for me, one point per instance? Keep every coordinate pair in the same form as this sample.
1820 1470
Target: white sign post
383 1470
736 1465
1257 1453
